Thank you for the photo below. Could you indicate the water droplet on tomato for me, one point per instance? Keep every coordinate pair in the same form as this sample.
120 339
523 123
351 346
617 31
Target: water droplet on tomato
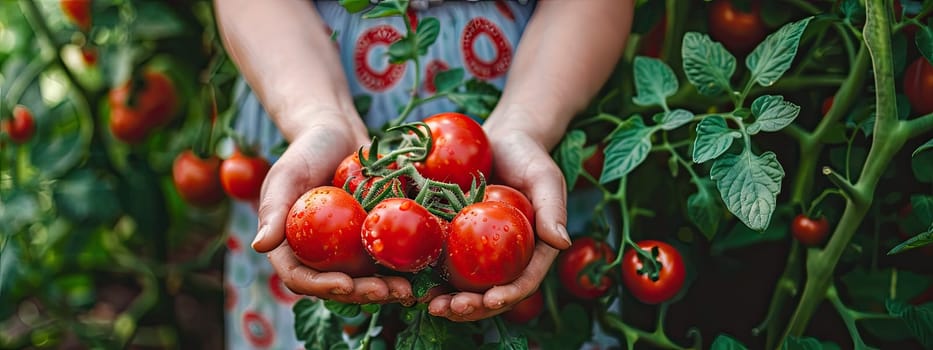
505 228
485 240
377 246
496 237
404 206
374 218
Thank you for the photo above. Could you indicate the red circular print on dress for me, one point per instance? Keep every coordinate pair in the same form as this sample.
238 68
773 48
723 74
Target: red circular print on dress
430 71
233 244
479 67
367 76
280 292
505 10
257 329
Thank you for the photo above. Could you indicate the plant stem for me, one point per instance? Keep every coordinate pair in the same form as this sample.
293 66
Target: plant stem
364 343
32 13
848 317
633 335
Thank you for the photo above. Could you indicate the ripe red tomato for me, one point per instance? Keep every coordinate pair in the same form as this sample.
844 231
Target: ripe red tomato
351 168
570 264
918 86
323 228
460 150
21 127
488 244
153 105
737 30
242 175
506 194
89 55
402 235
670 278
809 231
827 104
197 179
526 310
79 12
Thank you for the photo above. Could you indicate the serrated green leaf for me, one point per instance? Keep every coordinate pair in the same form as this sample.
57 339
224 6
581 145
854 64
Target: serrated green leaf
869 289
402 50
479 98
924 41
919 319
654 81
317 326
675 119
342 309
707 64
626 150
569 156
804 343
749 186
772 113
725 342
354 6
387 8
423 281
426 332
370 308
704 209
921 162
713 138
774 55
917 241
448 80
426 34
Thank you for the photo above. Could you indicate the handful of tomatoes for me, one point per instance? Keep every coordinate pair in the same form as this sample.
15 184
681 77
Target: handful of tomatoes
422 204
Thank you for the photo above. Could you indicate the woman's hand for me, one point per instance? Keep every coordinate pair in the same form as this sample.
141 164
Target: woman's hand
309 162
522 162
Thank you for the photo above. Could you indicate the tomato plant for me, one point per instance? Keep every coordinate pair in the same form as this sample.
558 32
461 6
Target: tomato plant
810 231
138 106
323 228
242 175
402 235
572 266
489 244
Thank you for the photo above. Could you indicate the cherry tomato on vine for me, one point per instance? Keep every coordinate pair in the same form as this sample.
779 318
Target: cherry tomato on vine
402 235
323 228
526 310
593 165
571 262
460 150
739 31
78 12
89 55
918 86
133 112
810 231
506 194
21 127
242 175
488 244
670 277
197 179
827 104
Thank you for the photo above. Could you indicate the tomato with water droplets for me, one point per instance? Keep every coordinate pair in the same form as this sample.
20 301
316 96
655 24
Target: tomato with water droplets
509 195
489 244
460 150
402 235
323 228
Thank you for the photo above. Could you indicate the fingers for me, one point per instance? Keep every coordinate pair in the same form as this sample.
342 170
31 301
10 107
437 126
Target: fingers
303 280
526 284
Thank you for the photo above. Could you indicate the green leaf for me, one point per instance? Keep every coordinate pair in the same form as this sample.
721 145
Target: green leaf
159 21
342 309
387 8
924 40
61 142
84 196
576 330
426 332
805 343
713 138
917 241
870 289
707 64
772 114
514 343
919 319
725 342
448 80
704 209
402 50
852 11
675 119
749 186
569 156
17 210
626 150
426 35
317 326
354 6
479 99
423 281
654 81
774 55
740 236
921 162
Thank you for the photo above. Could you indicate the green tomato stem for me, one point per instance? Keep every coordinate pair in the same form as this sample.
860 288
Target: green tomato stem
633 335
373 320
848 317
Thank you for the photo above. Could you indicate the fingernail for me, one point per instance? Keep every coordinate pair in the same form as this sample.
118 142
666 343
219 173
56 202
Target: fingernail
563 234
263 231
496 305
339 291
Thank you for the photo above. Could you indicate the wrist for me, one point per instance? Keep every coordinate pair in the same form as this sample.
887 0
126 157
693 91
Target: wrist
546 127
293 123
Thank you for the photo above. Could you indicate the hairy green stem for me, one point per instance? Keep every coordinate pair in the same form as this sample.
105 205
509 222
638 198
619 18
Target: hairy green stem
633 335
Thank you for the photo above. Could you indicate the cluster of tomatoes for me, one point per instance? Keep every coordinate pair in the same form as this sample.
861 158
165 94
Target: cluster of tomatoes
422 205
202 181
